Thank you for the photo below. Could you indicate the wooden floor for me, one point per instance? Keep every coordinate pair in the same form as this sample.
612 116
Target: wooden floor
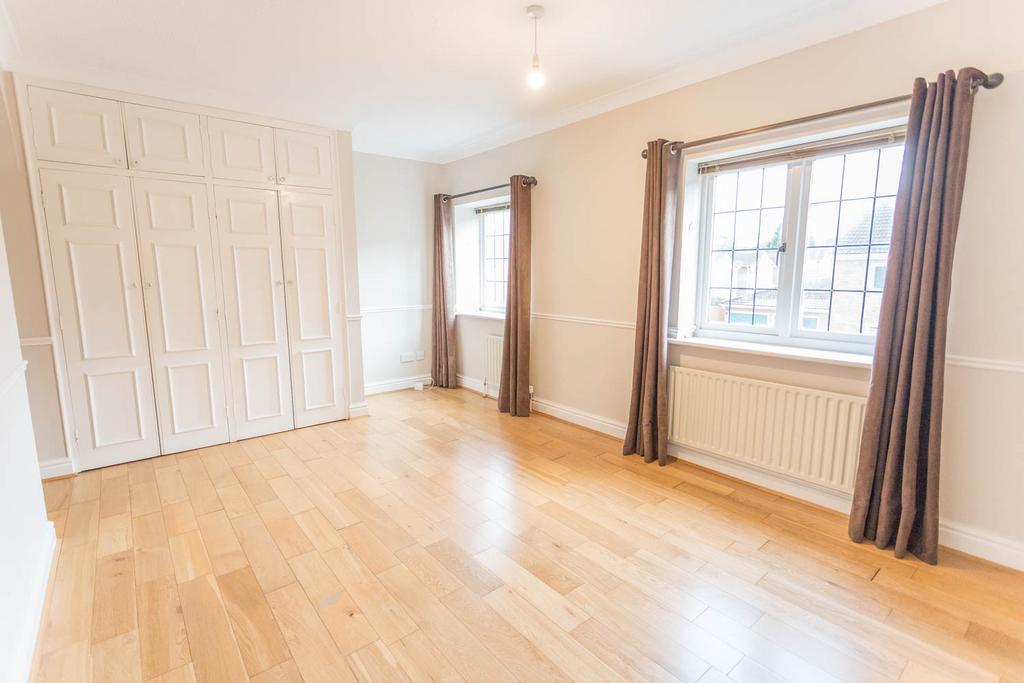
438 540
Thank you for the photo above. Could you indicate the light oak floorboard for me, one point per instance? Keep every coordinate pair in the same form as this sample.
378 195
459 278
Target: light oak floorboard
163 641
256 632
215 655
438 540
117 660
316 656
113 607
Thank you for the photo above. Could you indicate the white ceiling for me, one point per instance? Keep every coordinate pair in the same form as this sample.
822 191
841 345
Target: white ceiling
412 78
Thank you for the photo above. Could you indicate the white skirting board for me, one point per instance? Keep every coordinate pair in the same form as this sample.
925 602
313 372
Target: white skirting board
833 500
959 537
359 409
471 383
56 467
588 420
395 384
792 487
974 541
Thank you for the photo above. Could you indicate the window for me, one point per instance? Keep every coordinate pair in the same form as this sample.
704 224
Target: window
494 238
795 242
746 239
481 233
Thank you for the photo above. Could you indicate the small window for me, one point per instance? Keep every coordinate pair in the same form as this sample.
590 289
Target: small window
795 242
848 225
494 244
746 233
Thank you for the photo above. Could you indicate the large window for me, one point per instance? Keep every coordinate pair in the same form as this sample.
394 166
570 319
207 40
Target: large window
494 237
795 242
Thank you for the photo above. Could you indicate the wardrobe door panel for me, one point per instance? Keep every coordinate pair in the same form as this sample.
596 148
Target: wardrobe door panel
241 151
76 128
101 314
313 287
176 249
164 140
250 249
303 158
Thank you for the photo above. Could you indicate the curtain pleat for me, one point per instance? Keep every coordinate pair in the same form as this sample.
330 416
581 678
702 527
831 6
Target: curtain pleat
514 389
896 493
647 429
442 355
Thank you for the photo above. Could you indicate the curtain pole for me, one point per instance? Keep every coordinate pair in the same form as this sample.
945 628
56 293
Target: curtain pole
993 80
528 180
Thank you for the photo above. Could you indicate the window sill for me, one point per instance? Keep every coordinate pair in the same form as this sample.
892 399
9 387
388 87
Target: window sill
485 315
852 360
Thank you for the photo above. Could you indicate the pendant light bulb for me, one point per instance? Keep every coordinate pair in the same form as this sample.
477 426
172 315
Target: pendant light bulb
535 79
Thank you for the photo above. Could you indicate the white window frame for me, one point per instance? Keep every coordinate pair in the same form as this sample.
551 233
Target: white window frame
481 212
786 331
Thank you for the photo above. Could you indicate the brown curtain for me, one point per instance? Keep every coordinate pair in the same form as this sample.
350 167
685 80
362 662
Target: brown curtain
514 390
442 356
647 431
896 495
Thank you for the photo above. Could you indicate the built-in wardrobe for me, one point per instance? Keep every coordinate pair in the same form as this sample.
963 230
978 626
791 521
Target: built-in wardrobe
194 272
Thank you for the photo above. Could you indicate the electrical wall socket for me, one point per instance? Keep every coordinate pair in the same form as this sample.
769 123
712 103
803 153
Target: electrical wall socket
407 357
419 355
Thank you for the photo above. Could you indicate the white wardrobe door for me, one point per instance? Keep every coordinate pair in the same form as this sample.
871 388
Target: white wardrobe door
92 240
303 158
164 140
76 128
313 286
241 151
176 251
250 249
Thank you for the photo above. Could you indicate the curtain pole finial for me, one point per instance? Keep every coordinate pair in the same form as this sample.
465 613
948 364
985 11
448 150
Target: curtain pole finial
989 81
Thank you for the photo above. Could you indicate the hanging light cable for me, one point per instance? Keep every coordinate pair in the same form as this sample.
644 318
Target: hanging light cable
536 77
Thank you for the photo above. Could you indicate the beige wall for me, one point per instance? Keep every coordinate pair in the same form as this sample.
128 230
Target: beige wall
586 219
395 219
586 222
27 284
350 265
27 534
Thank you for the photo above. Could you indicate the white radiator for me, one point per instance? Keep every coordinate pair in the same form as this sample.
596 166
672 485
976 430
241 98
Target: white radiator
813 436
492 381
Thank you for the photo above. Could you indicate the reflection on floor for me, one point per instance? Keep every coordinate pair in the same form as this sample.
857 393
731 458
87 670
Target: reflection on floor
439 540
